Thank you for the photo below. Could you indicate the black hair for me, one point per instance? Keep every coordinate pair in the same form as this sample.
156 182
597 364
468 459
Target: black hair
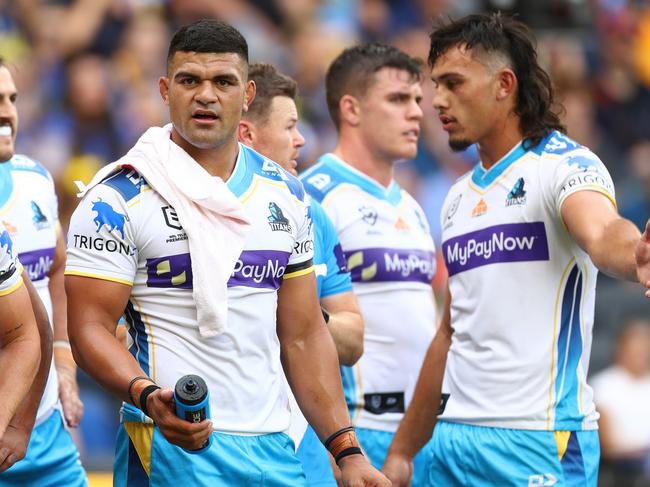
207 35
353 71
495 33
269 83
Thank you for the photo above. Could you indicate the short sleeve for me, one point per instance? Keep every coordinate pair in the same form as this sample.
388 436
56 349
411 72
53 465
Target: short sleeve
10 268
301 258
579 171
101 238
328 252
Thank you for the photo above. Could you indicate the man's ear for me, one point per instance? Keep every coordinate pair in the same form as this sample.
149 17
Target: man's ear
246 133
350 110
507 84
249 95
163 86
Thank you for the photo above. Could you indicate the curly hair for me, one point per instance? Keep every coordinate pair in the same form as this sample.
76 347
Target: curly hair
495 33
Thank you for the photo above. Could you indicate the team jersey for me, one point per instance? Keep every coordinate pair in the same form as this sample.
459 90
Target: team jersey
10 269
123 231
391 256
29 211
522 290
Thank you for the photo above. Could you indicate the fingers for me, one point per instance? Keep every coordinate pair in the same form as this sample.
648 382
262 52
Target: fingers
7 458
191 436
69 394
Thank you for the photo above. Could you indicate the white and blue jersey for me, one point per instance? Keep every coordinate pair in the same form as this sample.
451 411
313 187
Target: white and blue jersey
390 254
123 231
29 211
10 269
523 291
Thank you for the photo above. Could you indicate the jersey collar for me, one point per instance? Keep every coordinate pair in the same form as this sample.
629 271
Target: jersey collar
483 178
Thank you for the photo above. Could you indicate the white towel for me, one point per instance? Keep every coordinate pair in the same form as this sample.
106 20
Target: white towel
209 212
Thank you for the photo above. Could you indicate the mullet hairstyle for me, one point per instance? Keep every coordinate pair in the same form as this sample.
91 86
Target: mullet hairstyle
211 36
495 33
269 83
353 72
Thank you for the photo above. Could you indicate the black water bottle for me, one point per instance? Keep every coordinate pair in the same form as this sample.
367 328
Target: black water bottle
192 400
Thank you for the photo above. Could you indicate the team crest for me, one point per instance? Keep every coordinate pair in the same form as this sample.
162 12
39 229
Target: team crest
277 220
368 214
453 208
481 208
517 195
39 219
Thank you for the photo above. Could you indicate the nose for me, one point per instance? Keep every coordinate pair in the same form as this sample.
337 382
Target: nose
415 113
439 100
298 139
205 93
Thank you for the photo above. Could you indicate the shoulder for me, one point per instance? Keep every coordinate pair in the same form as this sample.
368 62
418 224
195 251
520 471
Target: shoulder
126 182
321 178
266 168
22 163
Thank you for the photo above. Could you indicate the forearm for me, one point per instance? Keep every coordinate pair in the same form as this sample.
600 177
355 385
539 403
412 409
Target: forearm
26 414
311 368
346 328
420 418
613 252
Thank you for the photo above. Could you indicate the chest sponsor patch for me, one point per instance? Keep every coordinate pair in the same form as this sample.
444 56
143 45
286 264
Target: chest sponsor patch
389 265
511 242
37 263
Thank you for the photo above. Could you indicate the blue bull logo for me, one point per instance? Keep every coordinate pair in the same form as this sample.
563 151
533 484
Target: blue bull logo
106 215
5 241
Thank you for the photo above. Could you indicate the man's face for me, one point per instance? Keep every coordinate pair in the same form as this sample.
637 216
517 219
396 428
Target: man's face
464 96
278 137
8 115
206 94
390 114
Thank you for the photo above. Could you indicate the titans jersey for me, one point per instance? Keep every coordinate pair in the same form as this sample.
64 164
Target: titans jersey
10 269
125 232
391 256
29 211
523 290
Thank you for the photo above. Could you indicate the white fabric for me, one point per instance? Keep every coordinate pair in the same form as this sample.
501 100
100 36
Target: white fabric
9 267
211 216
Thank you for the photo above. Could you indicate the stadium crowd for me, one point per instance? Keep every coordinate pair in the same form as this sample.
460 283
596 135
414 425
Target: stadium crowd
87 72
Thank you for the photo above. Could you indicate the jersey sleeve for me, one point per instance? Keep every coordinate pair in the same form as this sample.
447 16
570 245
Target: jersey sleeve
101 238
328 249
10 268
579 171
301 260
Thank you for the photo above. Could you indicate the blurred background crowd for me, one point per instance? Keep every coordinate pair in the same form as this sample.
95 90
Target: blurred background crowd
87 73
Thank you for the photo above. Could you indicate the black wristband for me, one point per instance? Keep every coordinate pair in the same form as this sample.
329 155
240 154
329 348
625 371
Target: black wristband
133 381
146 392
333 436
353 450
326 315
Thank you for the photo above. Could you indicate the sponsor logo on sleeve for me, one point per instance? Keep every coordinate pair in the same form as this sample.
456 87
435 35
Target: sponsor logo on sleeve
90 242
107 216
259 269
303 247
277 220
391 265
512 242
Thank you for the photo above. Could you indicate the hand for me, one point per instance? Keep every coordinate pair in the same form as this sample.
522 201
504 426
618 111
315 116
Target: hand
190 436
356 471
13 446
73 408
642 255
398 469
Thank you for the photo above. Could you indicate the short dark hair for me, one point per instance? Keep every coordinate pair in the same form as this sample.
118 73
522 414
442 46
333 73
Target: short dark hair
208 35
353 71
495 33
269 83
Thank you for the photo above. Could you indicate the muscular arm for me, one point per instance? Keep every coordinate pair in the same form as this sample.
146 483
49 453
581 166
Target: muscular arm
94 308
345 325
19 352
420 418
66 367
609 239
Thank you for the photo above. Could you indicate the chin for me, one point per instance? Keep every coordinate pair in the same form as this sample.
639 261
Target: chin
459 145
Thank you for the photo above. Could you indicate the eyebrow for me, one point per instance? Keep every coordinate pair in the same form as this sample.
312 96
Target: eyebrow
227 76
445 77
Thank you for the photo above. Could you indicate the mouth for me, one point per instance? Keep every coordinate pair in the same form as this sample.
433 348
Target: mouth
6 129
204 117
447 122
412 135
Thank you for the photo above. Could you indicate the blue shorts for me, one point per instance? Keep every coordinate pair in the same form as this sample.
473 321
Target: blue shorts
52 459
479 456
375 445
143 457
315 460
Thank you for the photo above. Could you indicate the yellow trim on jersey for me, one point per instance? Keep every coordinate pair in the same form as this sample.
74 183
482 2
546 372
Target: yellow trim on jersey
141 435
257 180
13 288
582 334
300 272
526 157
146 321
562 442
555 316
97 276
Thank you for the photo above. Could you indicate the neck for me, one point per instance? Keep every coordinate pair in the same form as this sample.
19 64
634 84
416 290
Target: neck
219 161
499 141
363 159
